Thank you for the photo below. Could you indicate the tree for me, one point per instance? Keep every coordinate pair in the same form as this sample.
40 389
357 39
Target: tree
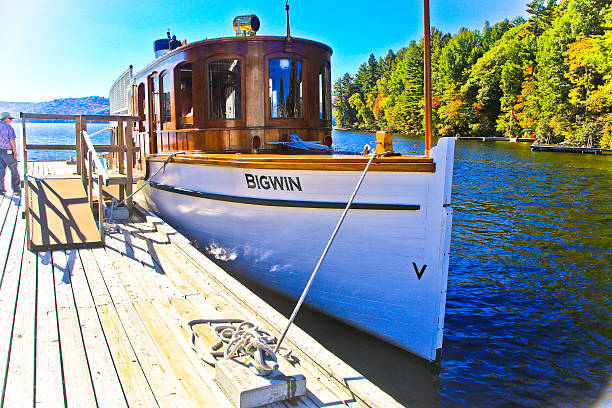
345 114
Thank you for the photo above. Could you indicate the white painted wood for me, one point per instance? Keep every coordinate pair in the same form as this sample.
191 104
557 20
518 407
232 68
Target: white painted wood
373 276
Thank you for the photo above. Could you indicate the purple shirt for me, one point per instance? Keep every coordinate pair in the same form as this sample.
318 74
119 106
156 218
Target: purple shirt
6 134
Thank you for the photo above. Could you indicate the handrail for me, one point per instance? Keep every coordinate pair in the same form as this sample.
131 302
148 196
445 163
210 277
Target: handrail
102 118
96 159
99 148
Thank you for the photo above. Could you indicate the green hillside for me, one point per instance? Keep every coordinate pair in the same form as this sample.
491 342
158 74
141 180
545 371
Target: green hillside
90 105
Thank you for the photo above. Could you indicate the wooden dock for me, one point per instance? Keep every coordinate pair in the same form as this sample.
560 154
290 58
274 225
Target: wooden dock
107 327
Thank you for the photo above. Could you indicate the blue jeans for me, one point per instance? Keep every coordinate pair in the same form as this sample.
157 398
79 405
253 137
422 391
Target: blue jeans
8 160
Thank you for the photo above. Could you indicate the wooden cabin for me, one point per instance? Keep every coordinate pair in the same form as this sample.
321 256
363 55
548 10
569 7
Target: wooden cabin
229 94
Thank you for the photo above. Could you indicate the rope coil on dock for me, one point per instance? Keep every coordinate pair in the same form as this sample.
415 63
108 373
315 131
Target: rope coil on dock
241 339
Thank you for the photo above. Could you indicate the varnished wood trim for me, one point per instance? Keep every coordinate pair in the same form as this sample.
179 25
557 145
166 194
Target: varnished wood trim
285 203
418 164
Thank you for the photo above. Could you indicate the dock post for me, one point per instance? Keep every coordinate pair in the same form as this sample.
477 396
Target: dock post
24 157
83 148
100 208
24 143
121 142
90 179
129 163
77 126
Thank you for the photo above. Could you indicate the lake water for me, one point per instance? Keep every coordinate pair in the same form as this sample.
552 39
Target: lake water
528 316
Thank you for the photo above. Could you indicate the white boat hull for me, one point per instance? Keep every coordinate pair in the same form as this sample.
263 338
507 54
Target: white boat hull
387 269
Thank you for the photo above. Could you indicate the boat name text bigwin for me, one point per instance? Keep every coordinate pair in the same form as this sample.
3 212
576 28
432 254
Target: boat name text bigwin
274 182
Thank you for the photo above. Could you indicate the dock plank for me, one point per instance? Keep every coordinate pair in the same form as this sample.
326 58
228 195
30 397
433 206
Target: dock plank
164 385
102 370
49 376
19 390
8 235
137 388
77 378
158 318
9 287
199 392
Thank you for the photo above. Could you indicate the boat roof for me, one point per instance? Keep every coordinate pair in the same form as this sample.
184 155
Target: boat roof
146 70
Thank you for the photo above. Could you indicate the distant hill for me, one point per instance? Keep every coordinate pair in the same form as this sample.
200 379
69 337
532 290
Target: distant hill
90 105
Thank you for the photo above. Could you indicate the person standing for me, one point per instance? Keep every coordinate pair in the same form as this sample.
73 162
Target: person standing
8 153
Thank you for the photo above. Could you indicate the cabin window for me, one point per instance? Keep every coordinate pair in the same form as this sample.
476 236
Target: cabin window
224 89
165 104
141 107
185 98
324 94
285 88
152 96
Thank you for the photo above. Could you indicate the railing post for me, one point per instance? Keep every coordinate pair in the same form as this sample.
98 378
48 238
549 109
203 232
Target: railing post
26 191
90 179
129 162
77 125
100 208
121 142
84 148
111 155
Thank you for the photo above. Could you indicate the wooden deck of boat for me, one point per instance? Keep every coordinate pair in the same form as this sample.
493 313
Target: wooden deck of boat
107 327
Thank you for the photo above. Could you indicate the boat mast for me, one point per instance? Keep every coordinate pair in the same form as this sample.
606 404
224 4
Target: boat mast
427 75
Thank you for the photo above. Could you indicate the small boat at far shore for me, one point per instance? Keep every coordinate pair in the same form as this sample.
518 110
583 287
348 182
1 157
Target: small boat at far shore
254 181
569 149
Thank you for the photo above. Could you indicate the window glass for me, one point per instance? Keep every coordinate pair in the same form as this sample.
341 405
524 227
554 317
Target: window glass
166 111
285 88
185 99
324 95
152 93
224 89
142 112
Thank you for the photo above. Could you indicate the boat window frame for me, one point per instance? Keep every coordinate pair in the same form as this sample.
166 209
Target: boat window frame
141 100
177 95
165 121
152 120
224 123
305 72
320 65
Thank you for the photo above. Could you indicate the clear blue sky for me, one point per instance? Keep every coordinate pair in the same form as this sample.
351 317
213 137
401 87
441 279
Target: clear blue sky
73 48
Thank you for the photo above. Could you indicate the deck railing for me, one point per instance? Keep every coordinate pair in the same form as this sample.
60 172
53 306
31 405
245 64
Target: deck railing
88 163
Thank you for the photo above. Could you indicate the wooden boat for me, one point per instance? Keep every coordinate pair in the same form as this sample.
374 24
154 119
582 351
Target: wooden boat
238 107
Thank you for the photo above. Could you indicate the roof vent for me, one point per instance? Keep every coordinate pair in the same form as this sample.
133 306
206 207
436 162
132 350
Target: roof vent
246 25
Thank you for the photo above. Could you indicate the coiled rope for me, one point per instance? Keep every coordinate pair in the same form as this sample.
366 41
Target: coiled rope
241 339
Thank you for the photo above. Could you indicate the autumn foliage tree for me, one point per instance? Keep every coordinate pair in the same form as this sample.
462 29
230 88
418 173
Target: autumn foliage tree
549 75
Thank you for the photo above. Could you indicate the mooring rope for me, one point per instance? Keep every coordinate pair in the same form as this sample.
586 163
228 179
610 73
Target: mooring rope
329 242
115 204
241 339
